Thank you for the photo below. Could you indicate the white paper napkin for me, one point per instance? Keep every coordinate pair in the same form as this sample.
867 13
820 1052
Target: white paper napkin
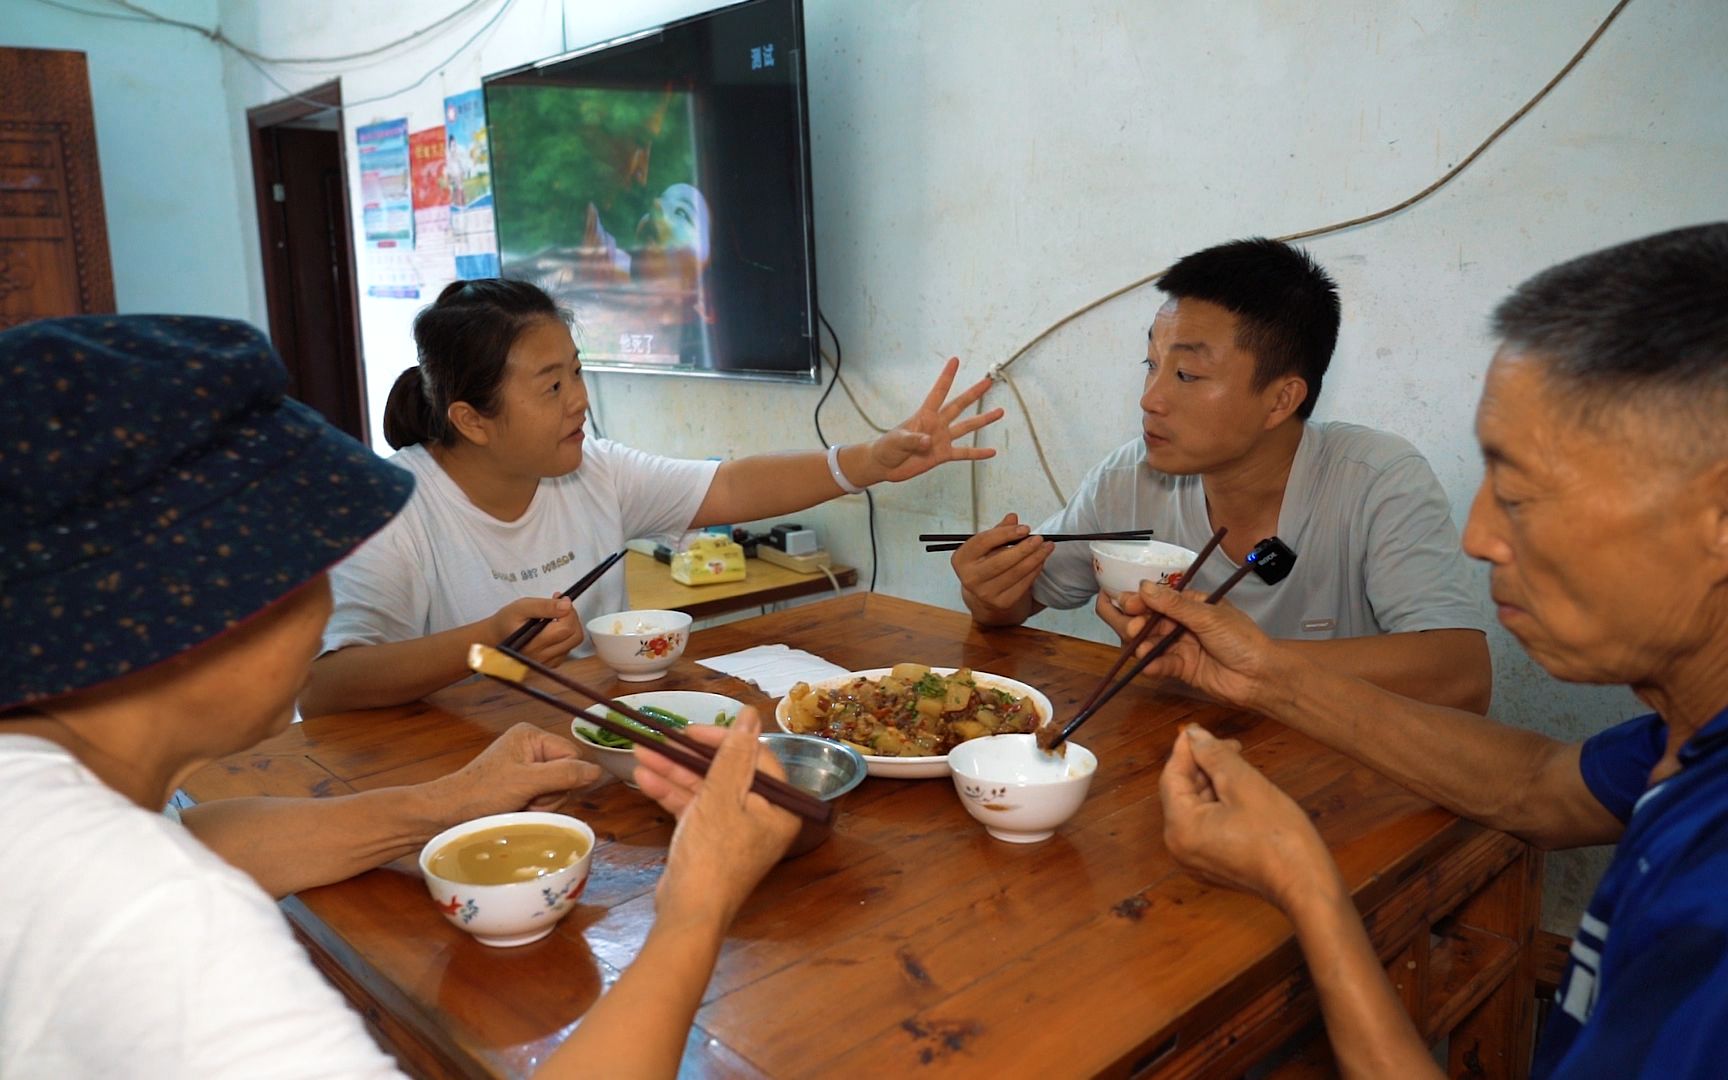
774 668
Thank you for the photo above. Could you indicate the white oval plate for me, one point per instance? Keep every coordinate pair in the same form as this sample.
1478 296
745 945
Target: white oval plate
915 768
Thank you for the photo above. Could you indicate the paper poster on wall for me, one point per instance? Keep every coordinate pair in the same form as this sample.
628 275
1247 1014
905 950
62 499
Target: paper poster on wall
391 273
468 167
386 211
434 252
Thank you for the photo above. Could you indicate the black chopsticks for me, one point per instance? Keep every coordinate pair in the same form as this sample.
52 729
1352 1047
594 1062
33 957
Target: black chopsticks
678 746
529 630
1270 558
951 541
1146 631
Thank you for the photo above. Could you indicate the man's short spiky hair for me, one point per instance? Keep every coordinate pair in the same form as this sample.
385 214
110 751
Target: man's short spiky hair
1639 326
1286 306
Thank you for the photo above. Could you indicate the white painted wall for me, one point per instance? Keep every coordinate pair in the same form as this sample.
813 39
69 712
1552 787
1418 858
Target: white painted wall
174 221
982 168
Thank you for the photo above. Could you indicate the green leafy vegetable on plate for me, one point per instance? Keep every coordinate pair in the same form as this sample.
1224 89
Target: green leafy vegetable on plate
601 737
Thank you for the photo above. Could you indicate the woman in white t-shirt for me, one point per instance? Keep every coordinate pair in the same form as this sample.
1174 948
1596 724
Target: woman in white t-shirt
513 500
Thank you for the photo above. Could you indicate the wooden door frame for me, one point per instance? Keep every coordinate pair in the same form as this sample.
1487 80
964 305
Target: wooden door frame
271 226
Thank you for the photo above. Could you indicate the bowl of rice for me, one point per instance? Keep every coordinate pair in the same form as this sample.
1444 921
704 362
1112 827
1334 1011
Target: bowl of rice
1121 565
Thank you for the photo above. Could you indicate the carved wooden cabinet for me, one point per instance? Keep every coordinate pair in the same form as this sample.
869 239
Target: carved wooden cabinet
53 235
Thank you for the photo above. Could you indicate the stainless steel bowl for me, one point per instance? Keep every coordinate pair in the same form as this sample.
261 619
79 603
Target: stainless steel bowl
826 769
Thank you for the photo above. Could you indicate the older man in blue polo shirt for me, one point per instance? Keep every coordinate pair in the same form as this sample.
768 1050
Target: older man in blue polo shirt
1604 517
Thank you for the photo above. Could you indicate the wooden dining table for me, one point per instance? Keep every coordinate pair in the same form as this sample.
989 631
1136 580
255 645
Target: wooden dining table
911 941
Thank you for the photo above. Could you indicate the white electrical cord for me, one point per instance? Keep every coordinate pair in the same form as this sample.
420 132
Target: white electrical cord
832 580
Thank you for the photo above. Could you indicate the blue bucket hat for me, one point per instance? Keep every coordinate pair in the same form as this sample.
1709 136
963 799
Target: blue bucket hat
156 489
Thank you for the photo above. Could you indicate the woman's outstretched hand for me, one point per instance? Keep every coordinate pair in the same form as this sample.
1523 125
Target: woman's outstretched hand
928 437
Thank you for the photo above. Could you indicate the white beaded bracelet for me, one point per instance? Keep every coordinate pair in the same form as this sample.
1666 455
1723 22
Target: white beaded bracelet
839 477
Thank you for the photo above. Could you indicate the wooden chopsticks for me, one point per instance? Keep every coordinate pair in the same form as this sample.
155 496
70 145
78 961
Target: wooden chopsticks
529 630
678 746
1106 689
951 541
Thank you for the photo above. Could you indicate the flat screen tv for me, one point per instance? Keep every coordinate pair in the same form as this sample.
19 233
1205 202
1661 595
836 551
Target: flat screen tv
658 185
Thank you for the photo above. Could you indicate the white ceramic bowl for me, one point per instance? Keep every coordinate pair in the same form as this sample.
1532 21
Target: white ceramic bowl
1121 565
693 705
520 911
915 768
1017 791
640 645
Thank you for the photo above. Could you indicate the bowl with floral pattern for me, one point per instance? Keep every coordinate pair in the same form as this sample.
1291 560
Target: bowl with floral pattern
640 646
544 874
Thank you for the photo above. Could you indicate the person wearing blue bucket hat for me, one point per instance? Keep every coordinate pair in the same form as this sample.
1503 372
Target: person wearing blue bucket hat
167 517
160 490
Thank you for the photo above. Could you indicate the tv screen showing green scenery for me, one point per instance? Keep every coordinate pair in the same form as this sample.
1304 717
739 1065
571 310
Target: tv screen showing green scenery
659 187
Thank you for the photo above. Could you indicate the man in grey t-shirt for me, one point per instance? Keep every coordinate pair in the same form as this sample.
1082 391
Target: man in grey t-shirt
1234 363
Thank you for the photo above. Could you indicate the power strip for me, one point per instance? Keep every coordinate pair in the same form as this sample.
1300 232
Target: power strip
802 564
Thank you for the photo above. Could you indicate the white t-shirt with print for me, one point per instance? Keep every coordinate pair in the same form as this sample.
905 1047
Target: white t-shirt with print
1376 550
443 562
127 948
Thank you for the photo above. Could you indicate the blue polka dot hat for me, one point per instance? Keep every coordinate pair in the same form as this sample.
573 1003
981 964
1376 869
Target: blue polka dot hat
157 488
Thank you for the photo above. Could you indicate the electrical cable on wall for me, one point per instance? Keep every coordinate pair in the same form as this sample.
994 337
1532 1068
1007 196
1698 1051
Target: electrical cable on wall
1000 370
833 379
435 69
95 14
257 60
869 499
846 388
216 35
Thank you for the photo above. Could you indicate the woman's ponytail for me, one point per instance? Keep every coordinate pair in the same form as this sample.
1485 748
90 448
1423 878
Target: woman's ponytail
409 418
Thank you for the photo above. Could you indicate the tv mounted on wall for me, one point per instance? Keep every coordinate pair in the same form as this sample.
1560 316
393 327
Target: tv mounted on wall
658 185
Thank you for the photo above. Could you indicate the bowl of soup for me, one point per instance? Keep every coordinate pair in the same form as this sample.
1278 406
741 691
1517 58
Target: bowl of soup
1121 565
508 878
640 645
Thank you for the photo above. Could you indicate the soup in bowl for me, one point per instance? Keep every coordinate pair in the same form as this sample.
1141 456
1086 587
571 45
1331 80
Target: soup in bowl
508 878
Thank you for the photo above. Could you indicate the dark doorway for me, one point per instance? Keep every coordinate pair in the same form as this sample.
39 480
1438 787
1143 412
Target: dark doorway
308 250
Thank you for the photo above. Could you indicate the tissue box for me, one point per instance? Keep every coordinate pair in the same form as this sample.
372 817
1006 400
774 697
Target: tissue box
710 560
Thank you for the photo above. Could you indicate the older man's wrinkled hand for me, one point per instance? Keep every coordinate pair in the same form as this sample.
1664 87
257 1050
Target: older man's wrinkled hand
1227 824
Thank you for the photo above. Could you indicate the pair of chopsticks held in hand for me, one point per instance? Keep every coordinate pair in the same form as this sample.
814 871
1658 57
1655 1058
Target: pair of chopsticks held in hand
529 630
1271 559
510 667
952 541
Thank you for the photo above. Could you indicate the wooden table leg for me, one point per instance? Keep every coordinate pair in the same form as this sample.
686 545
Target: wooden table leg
1495 1039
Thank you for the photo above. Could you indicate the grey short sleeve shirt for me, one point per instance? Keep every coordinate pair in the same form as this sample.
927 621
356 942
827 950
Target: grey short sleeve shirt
1376 550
